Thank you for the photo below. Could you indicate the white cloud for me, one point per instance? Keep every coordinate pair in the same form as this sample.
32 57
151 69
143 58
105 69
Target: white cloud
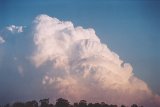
2 40
20 70
15 58
85 68
15 29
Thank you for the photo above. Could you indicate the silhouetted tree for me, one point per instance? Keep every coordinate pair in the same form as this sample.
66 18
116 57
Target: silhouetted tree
51 105
113 105
44 102
90 105
83 103
31 104
134 105
97 105
7 105
70 105
18 104
62 103
123 106
75 105
103 104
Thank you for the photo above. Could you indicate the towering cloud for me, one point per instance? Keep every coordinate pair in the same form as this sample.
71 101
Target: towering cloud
84 68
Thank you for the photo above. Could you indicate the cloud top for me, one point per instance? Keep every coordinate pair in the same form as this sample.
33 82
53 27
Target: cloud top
84 68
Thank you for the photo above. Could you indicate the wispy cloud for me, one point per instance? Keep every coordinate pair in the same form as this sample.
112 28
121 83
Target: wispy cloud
20 70
2 40
15 29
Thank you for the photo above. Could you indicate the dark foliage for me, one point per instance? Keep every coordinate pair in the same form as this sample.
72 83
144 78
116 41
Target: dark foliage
61 102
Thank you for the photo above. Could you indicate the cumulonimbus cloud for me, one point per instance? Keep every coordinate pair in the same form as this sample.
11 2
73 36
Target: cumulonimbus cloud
15 29
2 40
85 68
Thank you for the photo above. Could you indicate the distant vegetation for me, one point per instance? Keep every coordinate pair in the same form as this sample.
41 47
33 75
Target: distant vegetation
62 103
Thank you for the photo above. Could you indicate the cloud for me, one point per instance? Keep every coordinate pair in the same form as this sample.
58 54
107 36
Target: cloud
2 40
20 70
84 68
15 29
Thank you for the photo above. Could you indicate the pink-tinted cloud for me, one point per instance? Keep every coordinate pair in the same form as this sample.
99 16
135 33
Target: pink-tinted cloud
85 68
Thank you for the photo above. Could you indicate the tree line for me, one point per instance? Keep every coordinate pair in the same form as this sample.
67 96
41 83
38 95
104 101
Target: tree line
61 102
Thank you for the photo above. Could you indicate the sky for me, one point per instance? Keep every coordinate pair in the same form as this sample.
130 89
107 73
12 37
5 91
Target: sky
129 28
